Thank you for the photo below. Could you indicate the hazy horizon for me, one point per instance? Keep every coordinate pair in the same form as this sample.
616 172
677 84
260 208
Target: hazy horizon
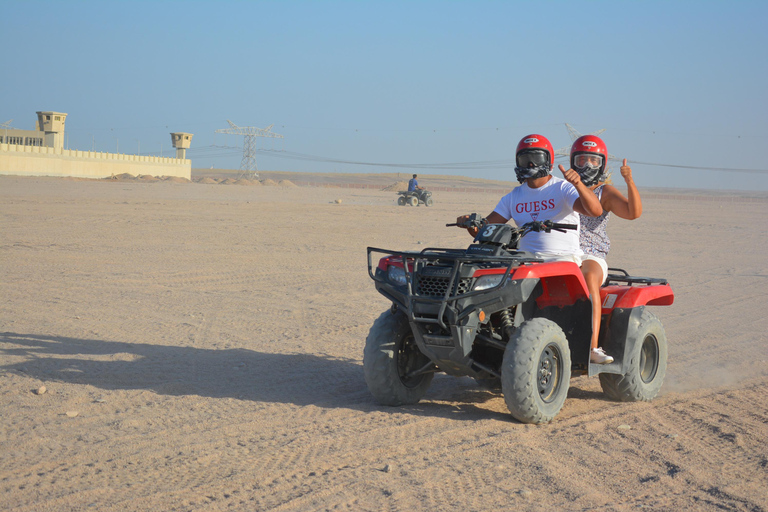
425 179
437 87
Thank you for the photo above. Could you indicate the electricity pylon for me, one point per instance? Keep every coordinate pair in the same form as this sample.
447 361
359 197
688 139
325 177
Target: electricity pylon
248 163
6 125
574 134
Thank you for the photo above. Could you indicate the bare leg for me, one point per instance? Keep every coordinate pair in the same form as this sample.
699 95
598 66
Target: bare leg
593 275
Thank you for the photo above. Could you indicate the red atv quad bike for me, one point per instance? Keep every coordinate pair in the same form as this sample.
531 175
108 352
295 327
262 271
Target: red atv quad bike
509 320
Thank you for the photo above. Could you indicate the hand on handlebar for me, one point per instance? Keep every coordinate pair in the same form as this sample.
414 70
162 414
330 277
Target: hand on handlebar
460 221
474 223
471 223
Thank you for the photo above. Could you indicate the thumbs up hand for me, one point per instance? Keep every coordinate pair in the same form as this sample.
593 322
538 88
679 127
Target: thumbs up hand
626 171
570 175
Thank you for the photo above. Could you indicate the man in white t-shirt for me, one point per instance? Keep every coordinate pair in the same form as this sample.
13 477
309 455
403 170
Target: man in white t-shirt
542 196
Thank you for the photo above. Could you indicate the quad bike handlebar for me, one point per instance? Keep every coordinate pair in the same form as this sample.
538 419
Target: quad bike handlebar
473 221
477 222
548 225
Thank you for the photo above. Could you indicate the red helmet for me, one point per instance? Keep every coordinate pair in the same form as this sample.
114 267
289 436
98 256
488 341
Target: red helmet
534 157
588 158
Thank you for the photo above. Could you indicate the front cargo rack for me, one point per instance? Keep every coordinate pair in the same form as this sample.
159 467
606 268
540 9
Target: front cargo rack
413 261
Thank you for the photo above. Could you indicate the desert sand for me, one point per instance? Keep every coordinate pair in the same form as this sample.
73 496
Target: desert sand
196 347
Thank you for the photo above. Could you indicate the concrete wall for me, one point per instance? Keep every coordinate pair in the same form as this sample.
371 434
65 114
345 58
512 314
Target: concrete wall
47 161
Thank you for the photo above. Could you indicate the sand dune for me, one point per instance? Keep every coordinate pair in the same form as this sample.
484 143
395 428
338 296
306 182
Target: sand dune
201 349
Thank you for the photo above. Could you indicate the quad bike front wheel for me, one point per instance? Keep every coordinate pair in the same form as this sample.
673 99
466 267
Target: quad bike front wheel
647 365
536 371
428 201
401 201
396 371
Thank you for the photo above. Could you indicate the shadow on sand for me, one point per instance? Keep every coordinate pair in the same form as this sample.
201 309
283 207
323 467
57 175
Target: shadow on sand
299 379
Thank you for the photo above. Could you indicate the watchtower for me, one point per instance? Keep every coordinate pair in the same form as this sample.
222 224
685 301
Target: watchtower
52 124
181 142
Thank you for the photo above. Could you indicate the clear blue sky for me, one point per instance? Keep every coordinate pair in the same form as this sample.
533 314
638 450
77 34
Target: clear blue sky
423 82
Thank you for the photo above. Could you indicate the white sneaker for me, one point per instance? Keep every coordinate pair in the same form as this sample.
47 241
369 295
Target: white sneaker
598 356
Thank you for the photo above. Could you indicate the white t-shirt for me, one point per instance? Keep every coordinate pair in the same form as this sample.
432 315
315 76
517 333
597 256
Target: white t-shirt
553 201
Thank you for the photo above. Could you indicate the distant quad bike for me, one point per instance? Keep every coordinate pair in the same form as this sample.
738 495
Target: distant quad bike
415 198
510 321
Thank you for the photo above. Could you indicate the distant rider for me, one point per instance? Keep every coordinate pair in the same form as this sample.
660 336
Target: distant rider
413 186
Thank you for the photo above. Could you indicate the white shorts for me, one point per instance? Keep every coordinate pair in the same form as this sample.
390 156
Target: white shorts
600 261
547 256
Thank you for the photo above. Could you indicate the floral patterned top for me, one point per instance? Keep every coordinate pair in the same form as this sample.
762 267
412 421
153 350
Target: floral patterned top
593 237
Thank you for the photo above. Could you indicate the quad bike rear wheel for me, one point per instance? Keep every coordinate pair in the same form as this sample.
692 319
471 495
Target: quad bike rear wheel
396 371
401 201
647 365
536 371
413 201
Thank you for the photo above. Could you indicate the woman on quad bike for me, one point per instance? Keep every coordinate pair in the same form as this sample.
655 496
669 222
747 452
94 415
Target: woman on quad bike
542 196
588 159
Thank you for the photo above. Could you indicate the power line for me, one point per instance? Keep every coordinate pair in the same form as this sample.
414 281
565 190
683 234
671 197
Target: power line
222 151
719 169
493 164
489 164
214 151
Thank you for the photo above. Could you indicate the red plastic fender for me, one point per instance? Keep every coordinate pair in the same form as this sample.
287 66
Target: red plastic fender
562 281
623 296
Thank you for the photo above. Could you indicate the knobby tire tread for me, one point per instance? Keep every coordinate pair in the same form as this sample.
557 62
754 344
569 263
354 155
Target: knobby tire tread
520 368
629 387
380 365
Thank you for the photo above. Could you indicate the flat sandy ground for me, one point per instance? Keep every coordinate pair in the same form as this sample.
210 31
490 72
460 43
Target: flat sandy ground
201 348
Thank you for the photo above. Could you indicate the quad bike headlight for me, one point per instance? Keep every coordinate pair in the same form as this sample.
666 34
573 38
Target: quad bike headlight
485 282
396 274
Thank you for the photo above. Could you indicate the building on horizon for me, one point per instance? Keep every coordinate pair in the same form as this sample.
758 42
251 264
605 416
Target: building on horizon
48 132
40 152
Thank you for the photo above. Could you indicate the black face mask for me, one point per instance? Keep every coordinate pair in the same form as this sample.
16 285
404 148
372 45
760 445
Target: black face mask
590 175
532 163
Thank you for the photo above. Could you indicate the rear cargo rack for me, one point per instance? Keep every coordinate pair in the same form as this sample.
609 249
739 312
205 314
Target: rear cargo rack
624 277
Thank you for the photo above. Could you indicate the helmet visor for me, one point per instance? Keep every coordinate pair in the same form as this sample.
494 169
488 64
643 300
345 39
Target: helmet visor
532 158
587 160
